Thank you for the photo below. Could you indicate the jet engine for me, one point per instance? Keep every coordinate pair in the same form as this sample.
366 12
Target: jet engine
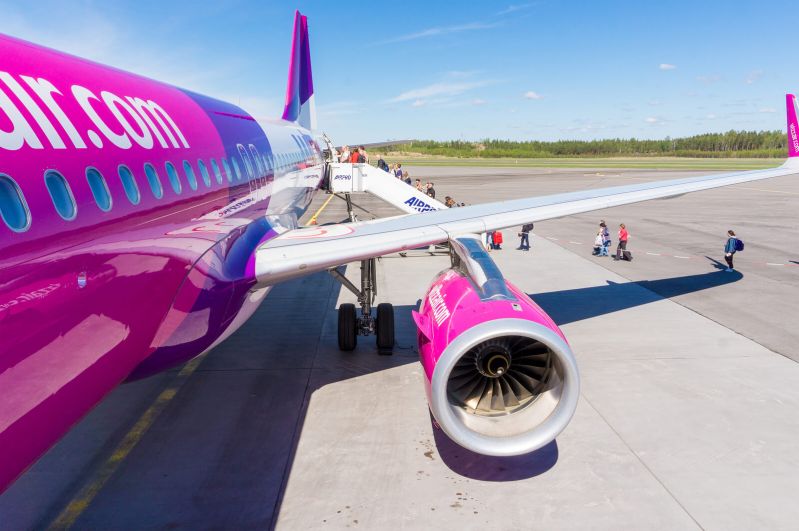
501 378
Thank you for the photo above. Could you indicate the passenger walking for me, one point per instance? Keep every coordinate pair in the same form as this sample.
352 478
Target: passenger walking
605 234
730 248
345 154
419 185
364 155
524 243
407 178
383 165
621 251
355 156
398 170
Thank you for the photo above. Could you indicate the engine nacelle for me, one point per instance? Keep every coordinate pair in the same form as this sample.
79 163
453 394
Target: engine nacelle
501 378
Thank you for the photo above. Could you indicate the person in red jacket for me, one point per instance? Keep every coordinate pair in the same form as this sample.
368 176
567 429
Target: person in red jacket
621 250
354 156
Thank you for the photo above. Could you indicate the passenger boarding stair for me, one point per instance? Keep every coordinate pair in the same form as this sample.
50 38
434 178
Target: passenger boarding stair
346 178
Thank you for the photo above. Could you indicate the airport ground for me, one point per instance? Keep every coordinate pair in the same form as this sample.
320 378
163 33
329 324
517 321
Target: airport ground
687 419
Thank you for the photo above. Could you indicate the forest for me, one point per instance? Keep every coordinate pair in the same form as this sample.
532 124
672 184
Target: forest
734 144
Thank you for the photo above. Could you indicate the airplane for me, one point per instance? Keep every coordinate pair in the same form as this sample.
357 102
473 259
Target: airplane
143 224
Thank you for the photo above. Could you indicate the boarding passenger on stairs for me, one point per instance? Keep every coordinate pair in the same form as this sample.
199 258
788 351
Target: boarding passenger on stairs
364 154
355 156
398 170
345 154
430 190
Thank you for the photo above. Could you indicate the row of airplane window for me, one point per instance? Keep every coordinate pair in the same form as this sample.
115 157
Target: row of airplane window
16 215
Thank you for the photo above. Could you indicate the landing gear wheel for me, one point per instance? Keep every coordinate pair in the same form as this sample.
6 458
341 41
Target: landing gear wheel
347 327
384 328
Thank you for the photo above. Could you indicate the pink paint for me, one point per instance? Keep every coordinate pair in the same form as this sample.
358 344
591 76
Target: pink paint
793 125
87 303
453 306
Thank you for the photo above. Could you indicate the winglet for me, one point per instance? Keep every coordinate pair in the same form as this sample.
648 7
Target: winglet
300 105
793 125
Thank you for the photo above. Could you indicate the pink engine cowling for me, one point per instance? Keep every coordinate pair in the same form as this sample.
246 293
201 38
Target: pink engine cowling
501 378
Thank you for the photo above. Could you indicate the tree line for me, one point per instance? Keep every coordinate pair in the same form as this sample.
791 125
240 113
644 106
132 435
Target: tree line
737 144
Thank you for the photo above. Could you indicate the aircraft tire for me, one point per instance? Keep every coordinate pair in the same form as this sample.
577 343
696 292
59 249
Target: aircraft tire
384 328
347 327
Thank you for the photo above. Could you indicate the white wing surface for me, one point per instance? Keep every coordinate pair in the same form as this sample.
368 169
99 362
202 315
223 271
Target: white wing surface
302 251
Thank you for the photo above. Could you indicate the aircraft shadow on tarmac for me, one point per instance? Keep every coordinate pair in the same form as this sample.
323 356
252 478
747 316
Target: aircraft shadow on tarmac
568 306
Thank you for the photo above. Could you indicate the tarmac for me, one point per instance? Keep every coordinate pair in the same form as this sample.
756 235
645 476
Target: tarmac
687 418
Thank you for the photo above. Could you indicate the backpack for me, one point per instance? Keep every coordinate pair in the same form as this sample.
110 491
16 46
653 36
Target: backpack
739 245
497 237
361 159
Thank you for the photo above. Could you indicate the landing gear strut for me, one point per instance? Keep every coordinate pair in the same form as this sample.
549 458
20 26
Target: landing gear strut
351 325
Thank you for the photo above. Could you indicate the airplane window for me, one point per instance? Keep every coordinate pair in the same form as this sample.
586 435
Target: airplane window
129 184
227 171
257 159
155 182
61 195
217 173
174 180
13 208
204 173
189 171
246 159
236 168
99 189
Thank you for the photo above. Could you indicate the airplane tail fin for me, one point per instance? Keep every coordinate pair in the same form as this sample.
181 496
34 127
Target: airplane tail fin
792 105
300 106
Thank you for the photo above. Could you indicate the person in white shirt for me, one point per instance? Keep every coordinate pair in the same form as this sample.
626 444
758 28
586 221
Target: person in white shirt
345 154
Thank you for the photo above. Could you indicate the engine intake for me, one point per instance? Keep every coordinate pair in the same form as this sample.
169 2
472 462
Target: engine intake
501 378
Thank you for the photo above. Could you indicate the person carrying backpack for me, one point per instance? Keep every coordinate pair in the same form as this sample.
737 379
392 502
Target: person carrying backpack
524 244
732 246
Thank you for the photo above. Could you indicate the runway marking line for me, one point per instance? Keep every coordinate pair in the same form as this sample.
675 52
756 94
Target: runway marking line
83 499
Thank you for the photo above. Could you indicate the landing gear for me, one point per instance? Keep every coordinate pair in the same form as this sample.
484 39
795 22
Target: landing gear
384 328
347 327
351 325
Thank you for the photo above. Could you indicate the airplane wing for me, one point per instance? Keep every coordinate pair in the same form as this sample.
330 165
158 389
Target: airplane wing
299 252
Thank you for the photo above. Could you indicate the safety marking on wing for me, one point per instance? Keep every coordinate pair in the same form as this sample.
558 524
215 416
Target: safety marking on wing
327 231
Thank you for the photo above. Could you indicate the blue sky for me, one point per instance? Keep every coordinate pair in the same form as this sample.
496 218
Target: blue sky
457 70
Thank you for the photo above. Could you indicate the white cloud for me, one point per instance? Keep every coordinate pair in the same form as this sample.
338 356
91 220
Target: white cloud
530 95
418 103
443 88
517 7
711 116
478 101
652 120
440 30
709 79
667 66
767 110
753 76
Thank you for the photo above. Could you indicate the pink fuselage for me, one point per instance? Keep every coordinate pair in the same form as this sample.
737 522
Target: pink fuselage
108 295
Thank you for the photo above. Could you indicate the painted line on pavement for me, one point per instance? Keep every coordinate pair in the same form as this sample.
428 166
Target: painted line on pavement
83 499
